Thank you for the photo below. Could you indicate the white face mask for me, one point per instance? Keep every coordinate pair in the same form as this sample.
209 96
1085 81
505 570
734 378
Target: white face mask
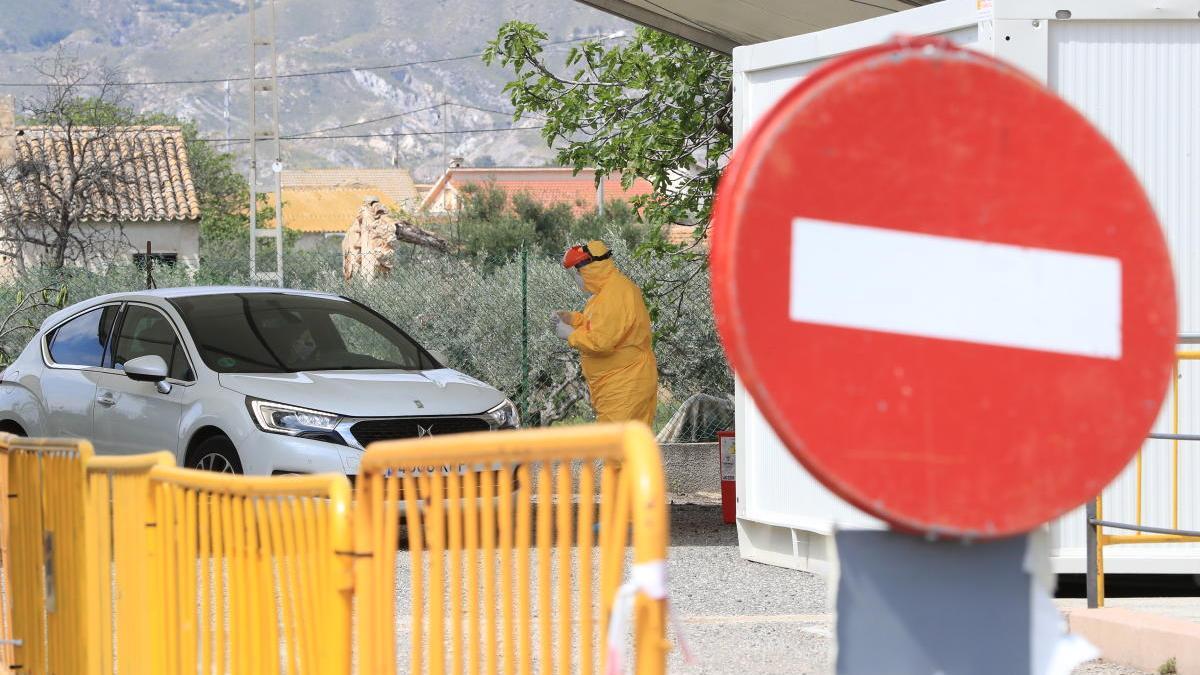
578 279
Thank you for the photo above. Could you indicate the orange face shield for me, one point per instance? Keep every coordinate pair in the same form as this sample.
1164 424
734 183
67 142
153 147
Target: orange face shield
578 256
575 256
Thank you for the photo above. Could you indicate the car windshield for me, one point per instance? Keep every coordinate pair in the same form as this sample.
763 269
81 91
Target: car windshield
285 333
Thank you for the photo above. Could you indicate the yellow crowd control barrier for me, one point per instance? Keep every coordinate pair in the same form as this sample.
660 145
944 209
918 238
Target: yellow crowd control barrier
55 624
516 550
517 555
125 563
257 572
1141 533
6 616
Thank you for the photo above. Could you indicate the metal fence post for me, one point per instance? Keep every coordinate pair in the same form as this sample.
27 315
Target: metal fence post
149 266
1092 541
524 402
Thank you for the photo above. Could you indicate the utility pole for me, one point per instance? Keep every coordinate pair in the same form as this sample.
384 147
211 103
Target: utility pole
445 113
269 134
225 114
600 195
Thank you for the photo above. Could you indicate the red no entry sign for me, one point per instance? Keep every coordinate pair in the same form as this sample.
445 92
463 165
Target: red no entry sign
945 290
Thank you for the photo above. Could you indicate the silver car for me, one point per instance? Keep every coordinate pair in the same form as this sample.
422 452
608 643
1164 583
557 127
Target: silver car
238 380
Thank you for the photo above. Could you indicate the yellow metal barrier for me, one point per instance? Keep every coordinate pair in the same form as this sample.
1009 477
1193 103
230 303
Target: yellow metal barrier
256 572
1141 533
125 563
516 557
505 569
7 637
55 622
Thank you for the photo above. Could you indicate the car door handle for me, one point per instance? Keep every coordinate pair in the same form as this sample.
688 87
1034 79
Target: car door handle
106 399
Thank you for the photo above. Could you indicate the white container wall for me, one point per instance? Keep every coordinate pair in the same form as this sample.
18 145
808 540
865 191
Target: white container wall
1133 68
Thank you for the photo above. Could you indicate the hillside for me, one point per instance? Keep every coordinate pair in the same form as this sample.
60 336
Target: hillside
154 40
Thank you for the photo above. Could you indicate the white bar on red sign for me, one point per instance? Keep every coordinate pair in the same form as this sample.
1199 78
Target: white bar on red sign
871 278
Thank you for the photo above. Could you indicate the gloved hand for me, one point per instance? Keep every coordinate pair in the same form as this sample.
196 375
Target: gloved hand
563 330
564 316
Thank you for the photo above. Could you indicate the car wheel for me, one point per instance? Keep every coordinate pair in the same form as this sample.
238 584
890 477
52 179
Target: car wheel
12 428
215 454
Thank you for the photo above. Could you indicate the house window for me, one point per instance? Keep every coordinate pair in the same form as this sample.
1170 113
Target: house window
159 259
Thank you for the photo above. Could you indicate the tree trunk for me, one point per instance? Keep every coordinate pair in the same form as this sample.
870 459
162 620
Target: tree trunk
62 238
412 234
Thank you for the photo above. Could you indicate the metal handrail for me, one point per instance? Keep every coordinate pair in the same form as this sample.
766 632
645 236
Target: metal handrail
1174 437
1143 528
1143 534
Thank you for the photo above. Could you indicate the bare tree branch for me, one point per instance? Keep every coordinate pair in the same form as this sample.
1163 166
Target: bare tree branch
60 193
14 320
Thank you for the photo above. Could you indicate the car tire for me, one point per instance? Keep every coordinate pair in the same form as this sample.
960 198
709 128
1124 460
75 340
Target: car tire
215 454
12 428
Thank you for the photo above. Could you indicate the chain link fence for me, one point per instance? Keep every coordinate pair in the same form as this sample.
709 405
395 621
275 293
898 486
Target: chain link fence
489 320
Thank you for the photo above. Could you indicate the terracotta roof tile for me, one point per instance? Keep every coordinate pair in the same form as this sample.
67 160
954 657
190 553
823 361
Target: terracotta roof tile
394 184
545 185
154 180
322 210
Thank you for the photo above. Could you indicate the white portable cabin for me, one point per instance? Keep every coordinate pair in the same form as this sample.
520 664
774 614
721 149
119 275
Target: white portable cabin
1133 68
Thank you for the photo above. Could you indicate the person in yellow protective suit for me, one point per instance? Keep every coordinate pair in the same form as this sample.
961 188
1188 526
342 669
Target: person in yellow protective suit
613 337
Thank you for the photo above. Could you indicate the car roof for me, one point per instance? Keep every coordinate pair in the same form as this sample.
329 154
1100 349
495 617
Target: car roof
180 292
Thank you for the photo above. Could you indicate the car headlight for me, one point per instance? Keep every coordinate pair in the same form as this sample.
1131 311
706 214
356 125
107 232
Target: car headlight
505 415
278 418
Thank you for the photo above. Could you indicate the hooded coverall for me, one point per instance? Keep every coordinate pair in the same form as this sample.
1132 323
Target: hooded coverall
612 334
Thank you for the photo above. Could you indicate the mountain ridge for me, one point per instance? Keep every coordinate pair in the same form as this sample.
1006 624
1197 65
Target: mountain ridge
154 40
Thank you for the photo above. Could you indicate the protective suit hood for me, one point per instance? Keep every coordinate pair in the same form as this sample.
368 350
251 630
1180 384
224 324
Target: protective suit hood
596 275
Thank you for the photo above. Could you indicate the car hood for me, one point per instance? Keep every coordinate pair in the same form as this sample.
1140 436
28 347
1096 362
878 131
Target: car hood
375 393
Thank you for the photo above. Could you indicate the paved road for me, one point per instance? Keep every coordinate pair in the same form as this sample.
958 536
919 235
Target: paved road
739 617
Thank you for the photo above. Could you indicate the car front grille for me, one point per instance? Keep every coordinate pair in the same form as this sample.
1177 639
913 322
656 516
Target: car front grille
369 431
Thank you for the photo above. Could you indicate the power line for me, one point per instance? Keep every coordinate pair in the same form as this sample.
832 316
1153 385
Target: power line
371 121
310 73
490 110
388 134
393 116
301 137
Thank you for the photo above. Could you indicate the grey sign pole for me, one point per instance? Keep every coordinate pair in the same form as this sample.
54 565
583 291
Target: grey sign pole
1093 540
906 604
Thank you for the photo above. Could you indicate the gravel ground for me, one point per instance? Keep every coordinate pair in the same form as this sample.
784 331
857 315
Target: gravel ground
741 616
1102 668
738 616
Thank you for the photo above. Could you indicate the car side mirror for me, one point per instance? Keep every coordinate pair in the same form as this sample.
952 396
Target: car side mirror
440 357
149 368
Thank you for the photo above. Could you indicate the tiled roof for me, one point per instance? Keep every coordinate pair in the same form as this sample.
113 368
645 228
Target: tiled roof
154 181
580 194
325 210
545 185
387 184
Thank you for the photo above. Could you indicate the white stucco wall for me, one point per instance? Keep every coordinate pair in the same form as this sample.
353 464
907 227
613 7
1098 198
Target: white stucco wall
179 237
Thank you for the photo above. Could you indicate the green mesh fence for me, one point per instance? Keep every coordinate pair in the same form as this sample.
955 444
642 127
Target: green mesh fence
492 321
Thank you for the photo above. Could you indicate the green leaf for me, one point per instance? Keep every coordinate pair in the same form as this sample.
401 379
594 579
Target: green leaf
653 107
